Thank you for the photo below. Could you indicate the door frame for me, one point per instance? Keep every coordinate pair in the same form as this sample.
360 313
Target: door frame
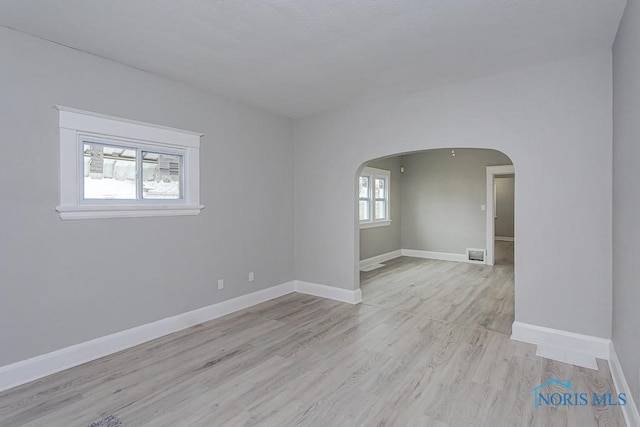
492 172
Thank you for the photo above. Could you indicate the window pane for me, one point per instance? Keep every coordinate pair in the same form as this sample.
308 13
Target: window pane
109 172
364 186
364 210
381 209
380 184
161 176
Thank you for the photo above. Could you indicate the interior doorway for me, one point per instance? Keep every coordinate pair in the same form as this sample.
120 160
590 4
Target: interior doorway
500 214
504 219
417 213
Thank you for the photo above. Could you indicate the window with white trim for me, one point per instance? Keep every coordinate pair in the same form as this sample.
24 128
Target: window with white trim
373 204
112 167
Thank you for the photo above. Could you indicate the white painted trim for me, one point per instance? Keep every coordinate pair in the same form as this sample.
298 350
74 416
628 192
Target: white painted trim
28 370
37 367
76 126
371 267
373 173
416 253
119 211
374 224
380 258
443 256
492 171
504 239
630 410
89 121
561 341
330 292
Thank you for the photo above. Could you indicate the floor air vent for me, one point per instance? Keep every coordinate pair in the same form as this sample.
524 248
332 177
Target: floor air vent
476 255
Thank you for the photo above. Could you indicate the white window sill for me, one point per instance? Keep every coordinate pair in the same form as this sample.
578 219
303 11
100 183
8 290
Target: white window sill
126 211
375 224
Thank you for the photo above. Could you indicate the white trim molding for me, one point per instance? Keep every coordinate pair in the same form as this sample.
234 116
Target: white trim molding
77 127
374 224
504 238
372 174
339 294
415 253
442 256
28 370
561 341
630 410
492 172
75 119
41 366
120 211
380 258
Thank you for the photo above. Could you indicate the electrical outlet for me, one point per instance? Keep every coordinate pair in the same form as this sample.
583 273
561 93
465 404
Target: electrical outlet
220 284
251 276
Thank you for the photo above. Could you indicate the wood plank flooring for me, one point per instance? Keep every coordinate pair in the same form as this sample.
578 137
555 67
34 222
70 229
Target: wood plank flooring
461 293
503 253
428 347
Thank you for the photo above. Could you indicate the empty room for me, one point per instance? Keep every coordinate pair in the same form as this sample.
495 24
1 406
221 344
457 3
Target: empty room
430 205
274 213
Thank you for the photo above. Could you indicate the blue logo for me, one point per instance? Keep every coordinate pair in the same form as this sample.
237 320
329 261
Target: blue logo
570 397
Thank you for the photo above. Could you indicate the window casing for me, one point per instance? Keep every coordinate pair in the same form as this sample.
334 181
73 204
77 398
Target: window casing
373 194
112 167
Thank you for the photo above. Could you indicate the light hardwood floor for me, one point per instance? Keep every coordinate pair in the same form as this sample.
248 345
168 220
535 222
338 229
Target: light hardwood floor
503 253
464 294
428 347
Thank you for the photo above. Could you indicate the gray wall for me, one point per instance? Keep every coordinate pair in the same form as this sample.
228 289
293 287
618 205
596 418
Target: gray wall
505 188
626 195
50 293
380 240
441 198
553 120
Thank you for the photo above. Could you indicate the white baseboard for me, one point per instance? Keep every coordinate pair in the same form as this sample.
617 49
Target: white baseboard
330 292
37 367
41 366
380 258
415 253
443 256
630 410
504 238
561 341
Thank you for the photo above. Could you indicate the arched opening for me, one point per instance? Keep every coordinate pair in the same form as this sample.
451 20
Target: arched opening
435 235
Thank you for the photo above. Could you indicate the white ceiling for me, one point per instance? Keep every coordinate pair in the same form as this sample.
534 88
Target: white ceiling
298 57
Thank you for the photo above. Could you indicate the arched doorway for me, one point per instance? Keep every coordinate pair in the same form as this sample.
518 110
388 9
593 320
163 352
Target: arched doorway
425 227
